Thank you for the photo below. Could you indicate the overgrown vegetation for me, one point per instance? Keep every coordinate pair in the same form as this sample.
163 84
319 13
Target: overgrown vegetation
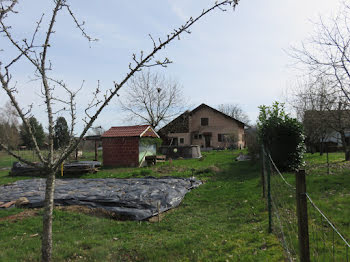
282 136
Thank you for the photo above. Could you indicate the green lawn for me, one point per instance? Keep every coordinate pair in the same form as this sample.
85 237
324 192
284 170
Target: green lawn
331 193
223 220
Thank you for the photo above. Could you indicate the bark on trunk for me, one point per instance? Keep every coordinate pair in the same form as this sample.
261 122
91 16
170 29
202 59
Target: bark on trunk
345 146
46 245
321 149
347 155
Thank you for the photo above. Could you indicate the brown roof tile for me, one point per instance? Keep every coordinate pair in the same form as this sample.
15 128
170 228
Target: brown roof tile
128 131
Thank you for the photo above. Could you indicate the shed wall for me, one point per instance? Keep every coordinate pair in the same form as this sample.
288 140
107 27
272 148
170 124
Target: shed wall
121 151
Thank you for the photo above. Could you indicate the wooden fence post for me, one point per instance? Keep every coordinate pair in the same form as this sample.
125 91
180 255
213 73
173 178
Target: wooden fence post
263 171
96 153
269 200
327 161
303 228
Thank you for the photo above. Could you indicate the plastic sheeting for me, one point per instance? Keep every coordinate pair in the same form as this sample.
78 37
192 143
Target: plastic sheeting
77 167
134 199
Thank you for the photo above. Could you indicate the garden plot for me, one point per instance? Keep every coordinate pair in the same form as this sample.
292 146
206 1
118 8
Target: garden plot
134 199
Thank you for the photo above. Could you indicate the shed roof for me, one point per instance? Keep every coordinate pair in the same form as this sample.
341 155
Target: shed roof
131 131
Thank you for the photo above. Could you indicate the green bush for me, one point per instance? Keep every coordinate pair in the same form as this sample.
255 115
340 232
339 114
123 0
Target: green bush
251 138
282 136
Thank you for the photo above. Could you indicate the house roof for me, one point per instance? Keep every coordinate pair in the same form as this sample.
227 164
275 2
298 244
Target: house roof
131 131
181 122
216 111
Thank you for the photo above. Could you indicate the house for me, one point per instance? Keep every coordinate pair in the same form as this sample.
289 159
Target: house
128 146
330 128
206 127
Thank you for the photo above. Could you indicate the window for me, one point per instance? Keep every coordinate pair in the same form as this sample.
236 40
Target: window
204 121
182 140
220 137
197 136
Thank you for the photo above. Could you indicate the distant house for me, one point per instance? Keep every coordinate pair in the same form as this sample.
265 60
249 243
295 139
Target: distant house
206 127
329 127
127 146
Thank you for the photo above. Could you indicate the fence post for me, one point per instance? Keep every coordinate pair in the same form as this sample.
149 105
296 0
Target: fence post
327 161
269 204
263 171
303 229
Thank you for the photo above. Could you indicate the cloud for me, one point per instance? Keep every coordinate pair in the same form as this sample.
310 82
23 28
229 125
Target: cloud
178 11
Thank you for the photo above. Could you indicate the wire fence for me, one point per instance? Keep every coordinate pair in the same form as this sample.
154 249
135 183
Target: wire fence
316 239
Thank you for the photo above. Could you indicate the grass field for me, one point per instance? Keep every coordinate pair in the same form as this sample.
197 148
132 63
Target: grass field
331 193
223 220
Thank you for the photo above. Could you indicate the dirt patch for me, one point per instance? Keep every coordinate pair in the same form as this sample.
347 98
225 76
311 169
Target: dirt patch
210 169
215 169
167 169
161 216
20 216
98 212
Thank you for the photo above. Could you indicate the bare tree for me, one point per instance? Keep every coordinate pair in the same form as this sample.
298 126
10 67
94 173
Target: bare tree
309 101
234 111
326 54
35 50
152 99
324 112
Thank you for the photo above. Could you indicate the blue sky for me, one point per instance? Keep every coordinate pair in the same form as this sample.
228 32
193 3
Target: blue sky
230 57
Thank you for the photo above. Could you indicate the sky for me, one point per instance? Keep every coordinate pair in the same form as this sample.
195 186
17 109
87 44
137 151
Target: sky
233 57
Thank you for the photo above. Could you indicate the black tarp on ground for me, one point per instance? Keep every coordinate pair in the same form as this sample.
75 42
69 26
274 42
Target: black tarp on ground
76 167
135 199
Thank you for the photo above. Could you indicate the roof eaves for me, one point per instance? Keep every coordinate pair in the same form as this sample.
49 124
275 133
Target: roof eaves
217 111
149 127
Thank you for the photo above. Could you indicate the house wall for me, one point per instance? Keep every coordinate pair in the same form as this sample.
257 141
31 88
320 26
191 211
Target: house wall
121 151
185 136
218 124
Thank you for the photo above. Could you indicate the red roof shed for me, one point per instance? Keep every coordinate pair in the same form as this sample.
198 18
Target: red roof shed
121 145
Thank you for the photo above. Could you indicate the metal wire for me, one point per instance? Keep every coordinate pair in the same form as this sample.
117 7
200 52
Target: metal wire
324 245
283 208
328 221
285 181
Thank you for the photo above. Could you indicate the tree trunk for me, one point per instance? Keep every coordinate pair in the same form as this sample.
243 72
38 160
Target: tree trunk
321 148
46 246
345 146
347 155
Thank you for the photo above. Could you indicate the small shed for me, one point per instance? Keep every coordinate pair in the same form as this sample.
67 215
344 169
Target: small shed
127 146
